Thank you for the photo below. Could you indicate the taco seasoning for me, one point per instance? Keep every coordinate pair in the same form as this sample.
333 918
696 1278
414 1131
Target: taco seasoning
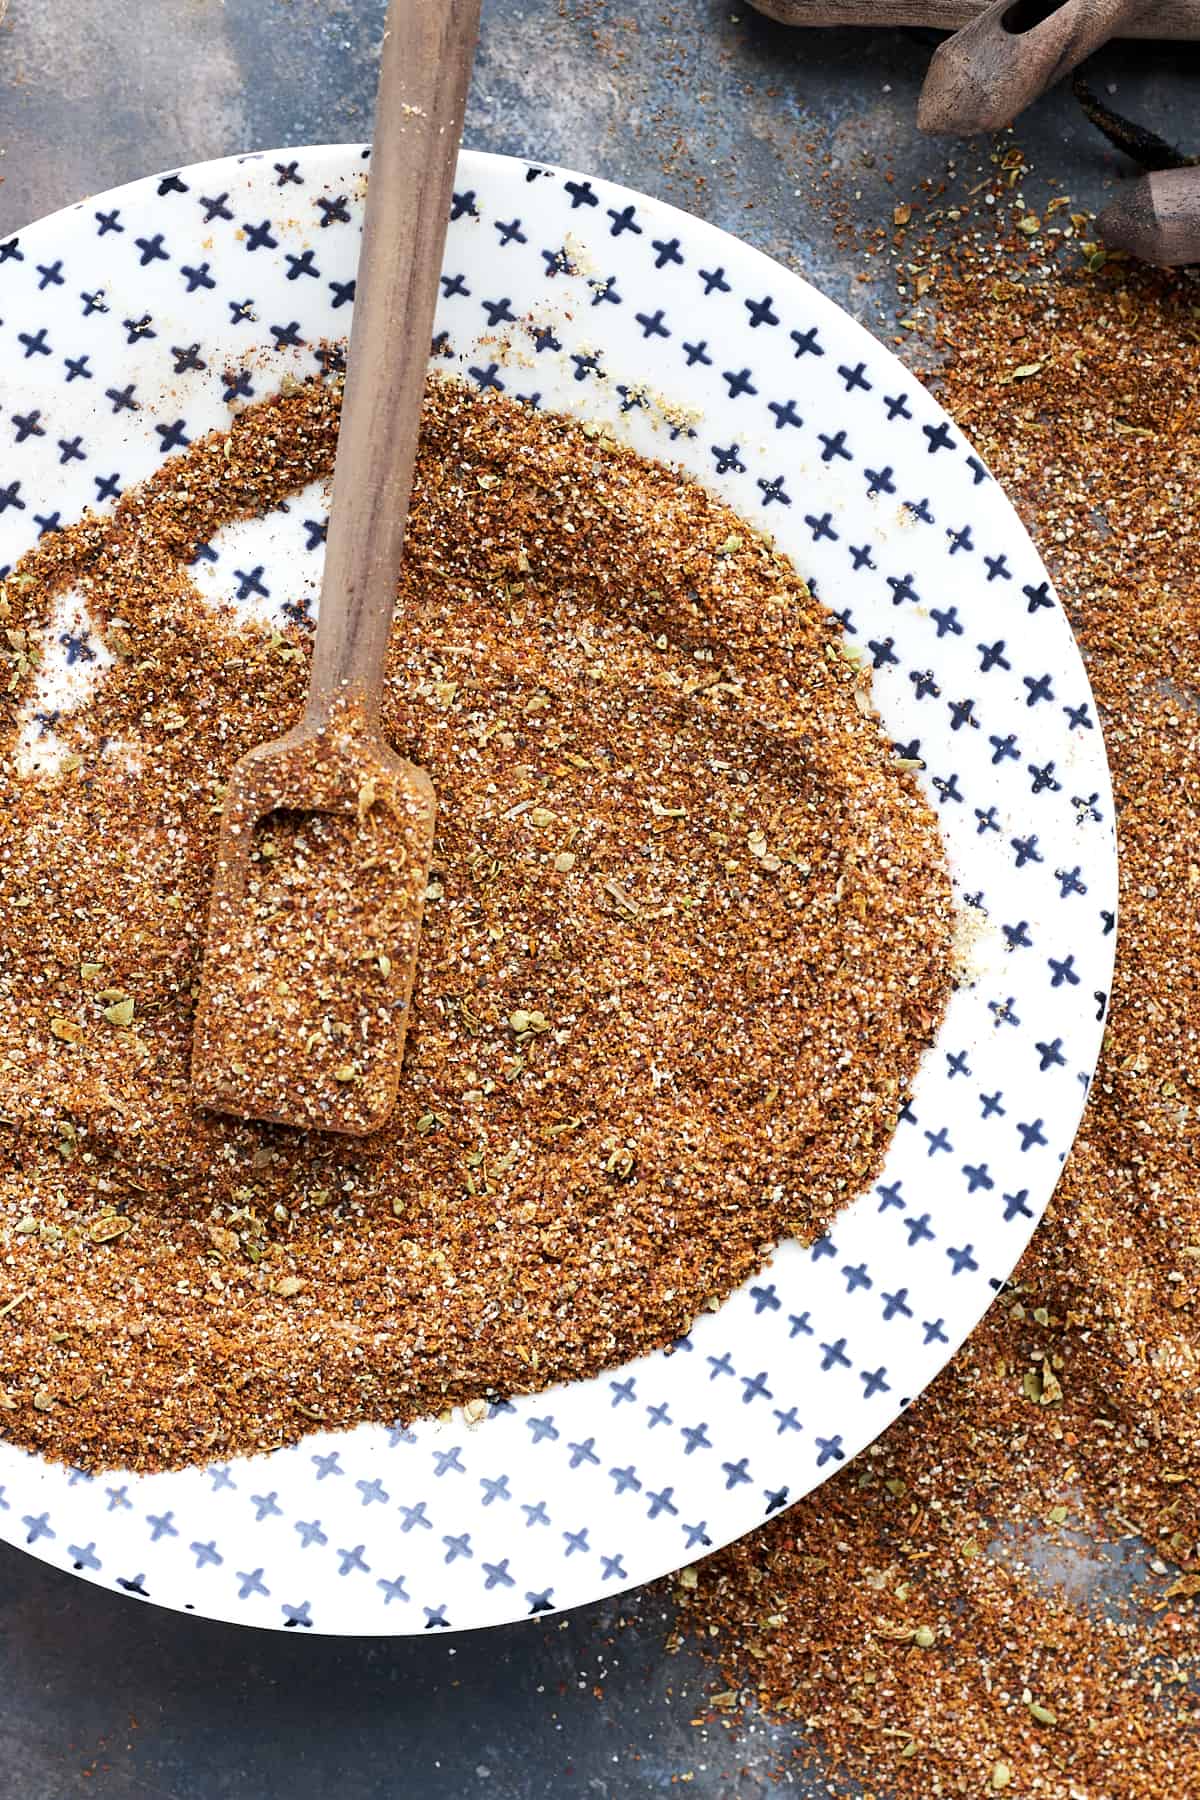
1002 1594
687 933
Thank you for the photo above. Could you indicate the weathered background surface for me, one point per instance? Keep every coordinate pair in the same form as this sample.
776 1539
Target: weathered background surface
786 139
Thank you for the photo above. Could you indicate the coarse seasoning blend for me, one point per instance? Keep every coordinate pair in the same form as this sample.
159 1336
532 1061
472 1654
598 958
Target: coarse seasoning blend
687 934
1001 1594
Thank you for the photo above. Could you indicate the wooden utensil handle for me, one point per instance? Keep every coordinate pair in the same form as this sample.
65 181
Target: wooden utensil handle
424 74
987 73
1157 218
1168 19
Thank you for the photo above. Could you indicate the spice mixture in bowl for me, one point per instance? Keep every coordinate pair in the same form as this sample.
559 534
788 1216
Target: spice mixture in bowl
688 932
711 1144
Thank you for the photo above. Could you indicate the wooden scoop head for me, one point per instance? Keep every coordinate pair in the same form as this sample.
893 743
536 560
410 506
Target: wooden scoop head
322 866
991 70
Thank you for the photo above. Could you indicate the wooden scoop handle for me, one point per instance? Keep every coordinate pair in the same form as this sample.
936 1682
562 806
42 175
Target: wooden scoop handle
980 79
1156 218
1168 19
424 74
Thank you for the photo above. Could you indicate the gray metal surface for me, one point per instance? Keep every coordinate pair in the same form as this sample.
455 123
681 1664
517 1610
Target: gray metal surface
734 118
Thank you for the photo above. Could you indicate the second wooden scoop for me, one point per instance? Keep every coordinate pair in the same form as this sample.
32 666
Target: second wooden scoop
987 73
1156 217
327 833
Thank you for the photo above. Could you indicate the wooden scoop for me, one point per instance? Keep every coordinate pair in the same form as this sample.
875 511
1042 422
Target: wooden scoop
1156 218
327 833
1166 19
987 73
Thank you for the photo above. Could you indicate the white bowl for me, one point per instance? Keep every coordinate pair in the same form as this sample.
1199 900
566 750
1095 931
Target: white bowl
791 412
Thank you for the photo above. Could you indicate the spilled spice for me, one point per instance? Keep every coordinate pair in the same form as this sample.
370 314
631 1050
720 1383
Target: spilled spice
647 1037
1000 1596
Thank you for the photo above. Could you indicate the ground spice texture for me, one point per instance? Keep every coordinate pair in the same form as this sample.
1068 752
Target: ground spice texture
313 930
1001 1595
686 933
